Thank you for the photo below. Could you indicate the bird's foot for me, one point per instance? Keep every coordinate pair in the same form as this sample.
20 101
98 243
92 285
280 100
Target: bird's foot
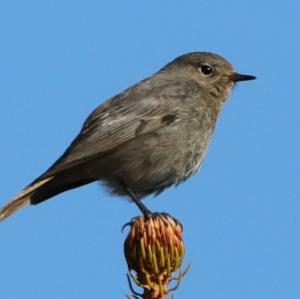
146 212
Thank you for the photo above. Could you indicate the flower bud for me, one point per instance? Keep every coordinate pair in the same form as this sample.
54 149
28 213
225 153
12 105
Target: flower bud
154 249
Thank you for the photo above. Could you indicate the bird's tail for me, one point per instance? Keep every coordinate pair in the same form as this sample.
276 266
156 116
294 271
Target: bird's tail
21 200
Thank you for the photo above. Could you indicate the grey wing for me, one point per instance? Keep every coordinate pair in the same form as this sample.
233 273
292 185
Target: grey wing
117 121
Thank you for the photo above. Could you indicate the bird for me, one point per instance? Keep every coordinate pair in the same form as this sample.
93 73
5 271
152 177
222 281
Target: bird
151 136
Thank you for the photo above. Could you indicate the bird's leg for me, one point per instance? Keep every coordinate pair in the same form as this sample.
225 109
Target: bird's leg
138 202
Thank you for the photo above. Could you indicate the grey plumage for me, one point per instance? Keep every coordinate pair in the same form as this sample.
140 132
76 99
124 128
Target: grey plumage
151 136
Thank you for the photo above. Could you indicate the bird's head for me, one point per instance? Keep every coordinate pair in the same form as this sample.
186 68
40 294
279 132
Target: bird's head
213 72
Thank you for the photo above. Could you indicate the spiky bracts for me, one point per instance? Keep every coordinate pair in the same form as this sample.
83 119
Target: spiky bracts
154 250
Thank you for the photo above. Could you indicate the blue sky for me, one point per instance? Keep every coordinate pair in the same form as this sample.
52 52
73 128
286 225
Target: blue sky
60 59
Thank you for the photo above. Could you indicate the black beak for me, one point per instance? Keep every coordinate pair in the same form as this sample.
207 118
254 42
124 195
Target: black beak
236 77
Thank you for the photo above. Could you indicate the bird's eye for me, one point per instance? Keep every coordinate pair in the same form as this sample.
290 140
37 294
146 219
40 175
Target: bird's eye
206 69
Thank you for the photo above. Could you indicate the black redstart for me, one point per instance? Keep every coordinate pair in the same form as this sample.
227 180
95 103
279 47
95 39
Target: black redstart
151 136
